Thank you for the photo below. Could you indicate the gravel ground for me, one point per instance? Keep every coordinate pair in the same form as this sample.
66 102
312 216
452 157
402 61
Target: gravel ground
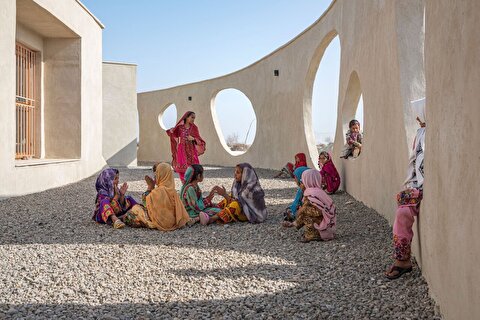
55 262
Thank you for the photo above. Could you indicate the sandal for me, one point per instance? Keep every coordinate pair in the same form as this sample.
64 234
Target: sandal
401 271
204 218
118 224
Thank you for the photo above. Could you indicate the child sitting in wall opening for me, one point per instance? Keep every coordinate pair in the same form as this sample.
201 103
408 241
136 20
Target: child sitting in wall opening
353 138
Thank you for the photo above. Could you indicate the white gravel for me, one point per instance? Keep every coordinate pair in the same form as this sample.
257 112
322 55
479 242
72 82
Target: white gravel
55 262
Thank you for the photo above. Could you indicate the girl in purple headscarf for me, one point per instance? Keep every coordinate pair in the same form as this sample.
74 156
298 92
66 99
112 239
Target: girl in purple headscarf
111 203
318 213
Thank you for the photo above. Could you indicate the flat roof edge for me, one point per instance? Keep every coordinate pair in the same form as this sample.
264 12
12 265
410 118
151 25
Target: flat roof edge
91 14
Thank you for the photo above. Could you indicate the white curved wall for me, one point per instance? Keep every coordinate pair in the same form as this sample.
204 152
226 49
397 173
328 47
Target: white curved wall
382 57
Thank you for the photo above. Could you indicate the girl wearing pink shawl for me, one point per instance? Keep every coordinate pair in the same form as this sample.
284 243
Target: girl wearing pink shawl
186 144
330 176
318 213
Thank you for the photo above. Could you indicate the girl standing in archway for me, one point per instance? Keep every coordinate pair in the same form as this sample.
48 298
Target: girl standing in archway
186 144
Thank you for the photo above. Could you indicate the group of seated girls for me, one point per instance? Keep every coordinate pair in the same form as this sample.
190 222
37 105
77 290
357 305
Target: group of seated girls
164 209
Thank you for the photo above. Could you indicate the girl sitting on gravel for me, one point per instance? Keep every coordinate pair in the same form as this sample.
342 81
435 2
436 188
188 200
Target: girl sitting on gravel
289 168
163 208
291 211
192 198
246 202
111 204
318 213
330 176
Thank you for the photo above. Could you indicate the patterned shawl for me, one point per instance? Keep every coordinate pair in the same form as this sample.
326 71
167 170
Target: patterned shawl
104 183
312 180
173 133
250 194
188 179
165 208
415 171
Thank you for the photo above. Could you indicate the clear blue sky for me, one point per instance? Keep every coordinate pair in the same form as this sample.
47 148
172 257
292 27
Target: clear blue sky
176 42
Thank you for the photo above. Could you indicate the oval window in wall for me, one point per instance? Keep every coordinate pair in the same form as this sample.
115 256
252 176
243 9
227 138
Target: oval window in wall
168 118
325 97
234 120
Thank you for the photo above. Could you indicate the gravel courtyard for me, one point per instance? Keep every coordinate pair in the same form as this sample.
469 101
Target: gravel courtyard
55 262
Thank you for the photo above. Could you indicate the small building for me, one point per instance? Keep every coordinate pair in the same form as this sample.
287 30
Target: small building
51 94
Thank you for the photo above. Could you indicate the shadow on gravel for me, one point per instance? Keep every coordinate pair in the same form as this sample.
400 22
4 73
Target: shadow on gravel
336 279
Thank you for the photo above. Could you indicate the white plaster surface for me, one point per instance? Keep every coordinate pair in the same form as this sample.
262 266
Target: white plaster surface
53 19
383 44
120 115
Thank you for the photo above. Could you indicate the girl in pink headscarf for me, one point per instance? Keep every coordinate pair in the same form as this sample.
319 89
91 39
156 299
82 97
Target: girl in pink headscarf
186 144
318 213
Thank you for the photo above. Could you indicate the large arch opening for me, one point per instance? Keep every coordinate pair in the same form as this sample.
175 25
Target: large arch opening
320 103
235 120
168 118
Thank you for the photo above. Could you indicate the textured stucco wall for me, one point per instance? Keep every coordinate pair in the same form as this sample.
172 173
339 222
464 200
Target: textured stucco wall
385 49
120 114
450 221
67 18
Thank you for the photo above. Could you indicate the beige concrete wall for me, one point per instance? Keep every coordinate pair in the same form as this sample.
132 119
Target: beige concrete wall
450 221
120 115
62 95
385 49
51 20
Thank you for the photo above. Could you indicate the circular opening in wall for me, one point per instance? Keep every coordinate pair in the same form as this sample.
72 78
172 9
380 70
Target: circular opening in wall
168 118
234 120
325 97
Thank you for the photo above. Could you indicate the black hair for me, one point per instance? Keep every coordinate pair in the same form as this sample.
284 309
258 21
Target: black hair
353 122
197 171
325 154
189 113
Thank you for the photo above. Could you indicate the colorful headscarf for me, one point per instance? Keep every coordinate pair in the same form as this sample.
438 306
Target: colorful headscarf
104 183
297 202
250 194
200 144
165 208
302 160
312 180
188 178
299 171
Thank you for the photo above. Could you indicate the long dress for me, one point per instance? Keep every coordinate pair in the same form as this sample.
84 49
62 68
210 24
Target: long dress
184 151
330 177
